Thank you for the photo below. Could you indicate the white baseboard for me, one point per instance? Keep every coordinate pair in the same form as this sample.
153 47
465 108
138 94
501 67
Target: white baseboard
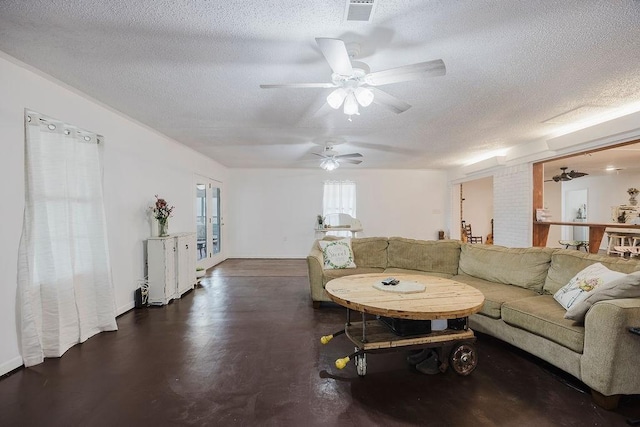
10 365
124 308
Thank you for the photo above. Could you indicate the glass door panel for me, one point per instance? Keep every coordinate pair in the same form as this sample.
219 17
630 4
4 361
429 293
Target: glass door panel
215 220
201 221
209 223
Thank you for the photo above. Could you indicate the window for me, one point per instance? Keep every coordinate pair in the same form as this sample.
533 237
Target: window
339 197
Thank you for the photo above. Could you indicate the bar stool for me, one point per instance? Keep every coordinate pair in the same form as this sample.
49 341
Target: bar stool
618 240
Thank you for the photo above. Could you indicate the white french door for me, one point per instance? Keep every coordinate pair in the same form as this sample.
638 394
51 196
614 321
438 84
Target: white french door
209 225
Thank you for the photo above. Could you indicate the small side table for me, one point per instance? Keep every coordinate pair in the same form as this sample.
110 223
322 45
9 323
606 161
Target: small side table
636 422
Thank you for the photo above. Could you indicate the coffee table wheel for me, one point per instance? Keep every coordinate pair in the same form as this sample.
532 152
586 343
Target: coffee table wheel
463 358
361 364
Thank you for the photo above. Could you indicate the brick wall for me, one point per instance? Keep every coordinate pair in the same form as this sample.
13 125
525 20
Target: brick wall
512 206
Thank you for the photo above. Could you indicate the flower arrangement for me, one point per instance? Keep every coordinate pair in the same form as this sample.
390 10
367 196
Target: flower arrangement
633 191
161 210
321 220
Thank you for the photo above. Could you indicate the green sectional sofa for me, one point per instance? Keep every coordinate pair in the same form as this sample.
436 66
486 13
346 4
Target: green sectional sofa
518 285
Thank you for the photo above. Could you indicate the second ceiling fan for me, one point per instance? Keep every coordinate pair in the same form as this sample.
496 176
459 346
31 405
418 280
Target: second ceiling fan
331 159
567 176
353 83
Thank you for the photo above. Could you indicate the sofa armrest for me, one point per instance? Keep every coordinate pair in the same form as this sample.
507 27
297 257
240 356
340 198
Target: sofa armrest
315 262
610 362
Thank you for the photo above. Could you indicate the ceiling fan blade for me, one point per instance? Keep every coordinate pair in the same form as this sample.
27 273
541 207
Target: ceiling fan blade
391 102
576 174
344 156
321 155
407 73
355 162
298 85
335 52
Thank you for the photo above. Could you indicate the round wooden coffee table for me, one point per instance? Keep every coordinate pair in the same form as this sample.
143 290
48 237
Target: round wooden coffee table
441 299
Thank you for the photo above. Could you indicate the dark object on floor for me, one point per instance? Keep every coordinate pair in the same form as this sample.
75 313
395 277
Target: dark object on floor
141 297
415 358
429 365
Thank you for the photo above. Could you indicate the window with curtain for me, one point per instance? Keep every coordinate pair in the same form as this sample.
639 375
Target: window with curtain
339 198
65 292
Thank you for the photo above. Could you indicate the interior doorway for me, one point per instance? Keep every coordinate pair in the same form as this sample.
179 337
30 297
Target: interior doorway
208 215
476 207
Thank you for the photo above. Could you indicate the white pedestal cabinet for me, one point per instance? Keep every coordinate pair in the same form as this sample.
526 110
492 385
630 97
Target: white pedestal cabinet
171 266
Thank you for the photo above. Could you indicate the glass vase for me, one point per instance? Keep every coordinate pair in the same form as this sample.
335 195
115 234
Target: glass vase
163 227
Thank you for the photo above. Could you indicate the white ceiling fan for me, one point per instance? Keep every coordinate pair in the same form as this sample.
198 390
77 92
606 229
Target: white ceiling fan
331 159
355 85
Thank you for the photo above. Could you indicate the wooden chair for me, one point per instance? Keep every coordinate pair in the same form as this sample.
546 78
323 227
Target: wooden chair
466 231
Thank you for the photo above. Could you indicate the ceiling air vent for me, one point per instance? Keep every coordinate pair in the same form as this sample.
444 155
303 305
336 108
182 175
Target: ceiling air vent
359 10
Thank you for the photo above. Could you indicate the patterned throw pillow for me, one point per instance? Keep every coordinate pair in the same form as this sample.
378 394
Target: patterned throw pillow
625 287
583 283
337 254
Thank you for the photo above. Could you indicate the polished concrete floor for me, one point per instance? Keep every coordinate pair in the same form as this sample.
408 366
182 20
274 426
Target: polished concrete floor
243 349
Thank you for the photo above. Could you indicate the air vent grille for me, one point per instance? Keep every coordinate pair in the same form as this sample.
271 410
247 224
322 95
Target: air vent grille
359 10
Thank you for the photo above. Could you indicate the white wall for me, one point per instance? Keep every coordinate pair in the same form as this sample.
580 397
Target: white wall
552 194
138 163
513 206
274 210
604 192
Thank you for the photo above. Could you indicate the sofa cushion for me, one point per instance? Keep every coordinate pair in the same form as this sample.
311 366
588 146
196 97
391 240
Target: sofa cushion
436 256
494 294
583 283
543 316
566 263
523 267
370 251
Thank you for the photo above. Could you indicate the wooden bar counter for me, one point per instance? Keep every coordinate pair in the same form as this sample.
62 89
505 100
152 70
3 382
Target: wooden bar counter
596 231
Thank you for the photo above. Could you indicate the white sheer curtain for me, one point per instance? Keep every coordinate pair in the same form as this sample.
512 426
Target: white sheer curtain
65 292
339 197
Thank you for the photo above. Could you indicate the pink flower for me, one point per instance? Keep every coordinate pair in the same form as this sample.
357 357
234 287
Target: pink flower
161 210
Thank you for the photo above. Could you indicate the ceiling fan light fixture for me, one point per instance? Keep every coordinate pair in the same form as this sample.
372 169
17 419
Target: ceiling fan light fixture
336 98
364 96
351 105
329 164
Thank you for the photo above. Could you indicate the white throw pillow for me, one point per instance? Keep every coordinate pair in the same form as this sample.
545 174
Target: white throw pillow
625 287
337 254
584 282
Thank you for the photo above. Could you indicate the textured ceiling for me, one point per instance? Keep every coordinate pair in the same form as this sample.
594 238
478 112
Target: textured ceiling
192 70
